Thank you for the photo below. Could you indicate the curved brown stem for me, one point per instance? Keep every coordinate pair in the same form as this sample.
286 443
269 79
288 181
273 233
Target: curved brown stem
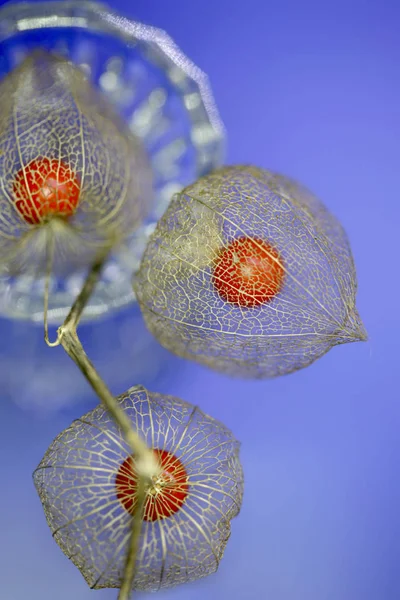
146 462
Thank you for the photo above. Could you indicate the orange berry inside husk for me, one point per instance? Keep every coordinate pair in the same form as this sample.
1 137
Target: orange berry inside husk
166 495
248 272
46 188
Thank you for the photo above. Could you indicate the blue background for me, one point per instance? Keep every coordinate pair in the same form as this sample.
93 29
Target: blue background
310 89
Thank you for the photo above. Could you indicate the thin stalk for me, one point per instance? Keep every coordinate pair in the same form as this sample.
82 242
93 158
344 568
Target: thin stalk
147 466
130 560
73 347
49 265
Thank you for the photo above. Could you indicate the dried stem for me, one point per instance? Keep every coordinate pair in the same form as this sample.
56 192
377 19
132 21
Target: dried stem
145 461
130 561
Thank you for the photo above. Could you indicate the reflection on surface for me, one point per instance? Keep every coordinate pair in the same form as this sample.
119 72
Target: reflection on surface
45 379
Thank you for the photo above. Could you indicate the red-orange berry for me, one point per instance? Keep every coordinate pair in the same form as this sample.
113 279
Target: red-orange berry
46 188
248 272
167 493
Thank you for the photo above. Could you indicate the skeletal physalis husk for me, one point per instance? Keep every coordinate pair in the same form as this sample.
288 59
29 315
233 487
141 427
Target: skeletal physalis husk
51 114
84 487
190 299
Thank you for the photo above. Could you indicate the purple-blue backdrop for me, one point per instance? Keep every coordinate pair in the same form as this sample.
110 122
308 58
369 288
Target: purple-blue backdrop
310 89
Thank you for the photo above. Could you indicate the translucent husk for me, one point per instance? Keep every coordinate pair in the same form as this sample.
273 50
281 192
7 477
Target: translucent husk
313 311
51 111
76 484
